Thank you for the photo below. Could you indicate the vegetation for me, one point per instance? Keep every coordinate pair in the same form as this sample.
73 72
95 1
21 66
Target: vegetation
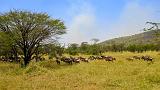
29 37
96 75
146 37
84 48
28 30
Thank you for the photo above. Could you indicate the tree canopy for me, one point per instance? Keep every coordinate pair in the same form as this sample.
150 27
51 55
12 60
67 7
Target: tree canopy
29 29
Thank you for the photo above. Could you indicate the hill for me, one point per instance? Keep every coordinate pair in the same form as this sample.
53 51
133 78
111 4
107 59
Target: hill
142 38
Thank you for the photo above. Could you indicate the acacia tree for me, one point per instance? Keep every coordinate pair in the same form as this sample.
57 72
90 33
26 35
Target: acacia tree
95 40
156 29
29 29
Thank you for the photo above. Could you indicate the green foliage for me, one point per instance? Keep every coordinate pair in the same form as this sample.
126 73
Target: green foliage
95 49
34 69
84 48
141 48
148 37
53 50
29 29
6 44
72 49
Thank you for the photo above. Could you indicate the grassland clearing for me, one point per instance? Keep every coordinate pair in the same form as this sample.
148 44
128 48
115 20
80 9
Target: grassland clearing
95 75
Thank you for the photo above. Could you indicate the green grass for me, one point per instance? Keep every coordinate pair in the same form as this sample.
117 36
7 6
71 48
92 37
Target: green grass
96 75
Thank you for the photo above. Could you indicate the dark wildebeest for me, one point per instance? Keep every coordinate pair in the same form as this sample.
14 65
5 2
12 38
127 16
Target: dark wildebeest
92 58
99 57
58 62
83 59
109 58
76 60
103 57
147 58
66 60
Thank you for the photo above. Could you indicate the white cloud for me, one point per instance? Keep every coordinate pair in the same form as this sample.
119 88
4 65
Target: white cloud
132 19
80 27
82 24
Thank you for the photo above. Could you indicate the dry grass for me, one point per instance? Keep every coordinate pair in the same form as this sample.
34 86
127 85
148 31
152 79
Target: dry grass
97 75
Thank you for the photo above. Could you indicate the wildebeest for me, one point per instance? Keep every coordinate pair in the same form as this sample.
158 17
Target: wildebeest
58 62
10 59
76 60
147 58
92 58
83 59
66 60
99 57
109 58
38 58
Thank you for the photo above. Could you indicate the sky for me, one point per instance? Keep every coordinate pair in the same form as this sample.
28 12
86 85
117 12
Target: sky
88 19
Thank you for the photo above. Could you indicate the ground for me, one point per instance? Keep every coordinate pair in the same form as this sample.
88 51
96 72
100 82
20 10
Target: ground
96 75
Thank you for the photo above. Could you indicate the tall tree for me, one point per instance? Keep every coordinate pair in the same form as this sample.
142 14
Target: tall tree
29 29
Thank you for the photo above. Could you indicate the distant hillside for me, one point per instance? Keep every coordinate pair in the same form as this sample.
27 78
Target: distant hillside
142 38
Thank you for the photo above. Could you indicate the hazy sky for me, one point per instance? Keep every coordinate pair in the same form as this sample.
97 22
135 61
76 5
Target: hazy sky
87 19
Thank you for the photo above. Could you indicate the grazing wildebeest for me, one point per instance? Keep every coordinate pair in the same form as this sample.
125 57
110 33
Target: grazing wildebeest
58 62
109 58
76 60
66 60
83 59
92 58
99 57
147 58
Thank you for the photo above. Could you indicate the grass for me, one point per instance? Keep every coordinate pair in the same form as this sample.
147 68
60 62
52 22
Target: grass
96 75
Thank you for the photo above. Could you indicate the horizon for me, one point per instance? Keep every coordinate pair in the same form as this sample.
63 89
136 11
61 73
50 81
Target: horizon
88 19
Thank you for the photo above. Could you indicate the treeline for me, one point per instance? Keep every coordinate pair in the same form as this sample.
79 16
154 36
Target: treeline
97 49
84 48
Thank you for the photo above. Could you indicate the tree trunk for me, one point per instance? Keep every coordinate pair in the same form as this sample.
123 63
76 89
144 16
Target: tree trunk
27 59
26 62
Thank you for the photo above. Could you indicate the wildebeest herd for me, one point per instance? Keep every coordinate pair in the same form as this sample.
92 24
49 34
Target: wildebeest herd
19 59
145 58
10 59
71 60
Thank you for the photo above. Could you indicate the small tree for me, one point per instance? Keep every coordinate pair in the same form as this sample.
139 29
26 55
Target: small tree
72 49
154 27
28 29
54 50
95 40
84 48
